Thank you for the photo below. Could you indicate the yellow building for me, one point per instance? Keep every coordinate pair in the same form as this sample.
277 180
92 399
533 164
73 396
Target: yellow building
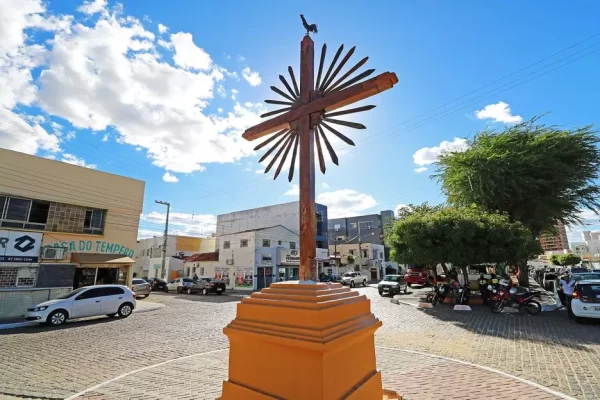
62 226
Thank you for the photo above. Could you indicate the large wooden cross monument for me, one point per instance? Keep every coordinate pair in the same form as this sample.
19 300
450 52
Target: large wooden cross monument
307 340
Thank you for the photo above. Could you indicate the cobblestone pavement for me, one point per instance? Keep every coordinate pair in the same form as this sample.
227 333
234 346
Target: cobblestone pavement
548 349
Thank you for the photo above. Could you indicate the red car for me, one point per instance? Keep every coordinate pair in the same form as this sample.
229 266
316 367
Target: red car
417 275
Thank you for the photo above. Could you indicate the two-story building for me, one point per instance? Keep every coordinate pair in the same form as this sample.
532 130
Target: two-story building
62 226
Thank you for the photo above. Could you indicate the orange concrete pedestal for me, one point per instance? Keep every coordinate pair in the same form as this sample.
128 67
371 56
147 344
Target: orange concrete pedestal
303 341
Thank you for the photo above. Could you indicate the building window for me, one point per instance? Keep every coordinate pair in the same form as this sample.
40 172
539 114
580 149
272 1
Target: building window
352 252
375 254
202 271
365 254
23 213
266 243
353 225
18 276
226 244
244 243
279 243
94 221
293 245
381 255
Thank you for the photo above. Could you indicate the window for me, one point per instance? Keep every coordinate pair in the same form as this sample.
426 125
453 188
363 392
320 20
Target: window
244 243
352 252
201 271
113 291
266 243
226 244
90 294
138 281
353 225
365 254
23 213
293 245
94 221
375 252
381 255
279 243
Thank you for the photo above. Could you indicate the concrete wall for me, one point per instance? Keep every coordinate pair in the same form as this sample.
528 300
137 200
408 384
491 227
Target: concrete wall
14 303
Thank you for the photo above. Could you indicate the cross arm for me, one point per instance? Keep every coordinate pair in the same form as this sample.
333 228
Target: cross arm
329 102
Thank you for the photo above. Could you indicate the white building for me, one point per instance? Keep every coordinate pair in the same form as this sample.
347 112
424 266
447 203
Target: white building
369 259
177 246
592 242
173 267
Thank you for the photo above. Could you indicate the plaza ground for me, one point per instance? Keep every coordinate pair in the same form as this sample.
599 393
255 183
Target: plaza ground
180 352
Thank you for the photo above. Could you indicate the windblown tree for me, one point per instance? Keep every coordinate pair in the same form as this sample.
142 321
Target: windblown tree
459 235
534 173
568 259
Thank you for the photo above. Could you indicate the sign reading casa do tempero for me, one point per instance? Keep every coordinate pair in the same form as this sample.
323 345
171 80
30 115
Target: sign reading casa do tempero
19 246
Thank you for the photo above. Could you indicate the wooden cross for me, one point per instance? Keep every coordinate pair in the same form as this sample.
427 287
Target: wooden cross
302 123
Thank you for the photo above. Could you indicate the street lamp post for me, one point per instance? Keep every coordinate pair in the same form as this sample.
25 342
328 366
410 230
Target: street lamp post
164 249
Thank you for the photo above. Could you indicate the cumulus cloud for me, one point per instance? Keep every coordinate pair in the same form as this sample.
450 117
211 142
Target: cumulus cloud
325 185
91 7
162 29
73 159
187 54
346 203
170 178
293 191
252 77
400 207
420 169
429 155
26 137
184 223
499 112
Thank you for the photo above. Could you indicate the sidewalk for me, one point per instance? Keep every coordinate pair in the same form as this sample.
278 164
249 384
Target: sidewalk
142 306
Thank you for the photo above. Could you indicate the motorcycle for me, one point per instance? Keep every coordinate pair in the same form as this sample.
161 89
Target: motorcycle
503 296
439 294
462 294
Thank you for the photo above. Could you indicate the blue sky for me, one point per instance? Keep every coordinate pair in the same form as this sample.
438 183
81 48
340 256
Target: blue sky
105 85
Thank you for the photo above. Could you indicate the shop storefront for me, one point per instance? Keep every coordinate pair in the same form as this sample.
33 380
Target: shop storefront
101 269
288 265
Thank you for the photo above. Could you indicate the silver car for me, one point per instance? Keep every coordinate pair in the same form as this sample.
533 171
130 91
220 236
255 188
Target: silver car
140 287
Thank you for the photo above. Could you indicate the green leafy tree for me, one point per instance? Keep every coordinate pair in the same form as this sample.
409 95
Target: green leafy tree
569 259
459 235
554 259
534 173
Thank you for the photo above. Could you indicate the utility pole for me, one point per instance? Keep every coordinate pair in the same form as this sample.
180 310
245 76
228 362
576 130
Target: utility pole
164 249
359 238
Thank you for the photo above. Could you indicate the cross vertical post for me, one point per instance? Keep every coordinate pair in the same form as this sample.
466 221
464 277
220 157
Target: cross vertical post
305 131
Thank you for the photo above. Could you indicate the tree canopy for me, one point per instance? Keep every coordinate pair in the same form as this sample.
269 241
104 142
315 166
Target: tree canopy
460 235
565 259
534 173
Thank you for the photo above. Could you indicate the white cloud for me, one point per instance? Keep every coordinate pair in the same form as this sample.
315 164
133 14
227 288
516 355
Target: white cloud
399 207
184 223
420 169
187 54
149 233
73 159
219 110
105 137
170 178
252 77
162 29
346 202
325 185
429 155
499 112
91 7
293 191
19 135
259 171
234 94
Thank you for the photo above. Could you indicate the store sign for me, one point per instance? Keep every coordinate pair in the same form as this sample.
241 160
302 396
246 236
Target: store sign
289 257
20 247
93 246
322 254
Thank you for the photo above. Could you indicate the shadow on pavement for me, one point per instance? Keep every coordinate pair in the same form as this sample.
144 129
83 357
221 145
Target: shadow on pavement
67 325
209 298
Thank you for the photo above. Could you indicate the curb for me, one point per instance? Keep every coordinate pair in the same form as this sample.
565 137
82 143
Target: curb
153 307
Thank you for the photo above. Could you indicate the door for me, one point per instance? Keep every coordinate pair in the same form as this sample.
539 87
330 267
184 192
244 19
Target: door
87 303
264 278
112 299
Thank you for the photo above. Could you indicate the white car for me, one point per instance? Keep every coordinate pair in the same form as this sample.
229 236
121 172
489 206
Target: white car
586 300
179 285
89 301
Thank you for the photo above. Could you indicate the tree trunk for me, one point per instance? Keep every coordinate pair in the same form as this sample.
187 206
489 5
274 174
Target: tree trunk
445 268
523 274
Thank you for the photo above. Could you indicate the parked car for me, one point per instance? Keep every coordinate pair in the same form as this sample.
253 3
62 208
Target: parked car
206 286
586 300
417 275
140 287
579 270
330 278
179 285
159 284
584 277
88 301
354 278
392 284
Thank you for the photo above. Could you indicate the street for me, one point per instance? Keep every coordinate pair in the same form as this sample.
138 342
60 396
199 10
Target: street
179 352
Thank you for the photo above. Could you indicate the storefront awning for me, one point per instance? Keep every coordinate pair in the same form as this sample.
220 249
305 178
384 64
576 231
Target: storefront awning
90 258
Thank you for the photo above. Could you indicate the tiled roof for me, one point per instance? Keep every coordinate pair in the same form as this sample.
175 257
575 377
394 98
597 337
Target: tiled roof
214 256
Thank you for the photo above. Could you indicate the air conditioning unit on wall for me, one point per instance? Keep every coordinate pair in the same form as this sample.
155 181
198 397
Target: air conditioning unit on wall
53 253
229 261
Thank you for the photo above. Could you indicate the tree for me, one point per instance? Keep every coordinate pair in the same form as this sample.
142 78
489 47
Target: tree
459 235
554 259
536 174
568 259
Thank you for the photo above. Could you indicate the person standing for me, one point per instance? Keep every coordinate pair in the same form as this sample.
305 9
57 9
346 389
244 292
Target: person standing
567 287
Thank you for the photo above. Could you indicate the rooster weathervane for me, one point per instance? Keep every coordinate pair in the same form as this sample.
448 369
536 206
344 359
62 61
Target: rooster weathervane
309 27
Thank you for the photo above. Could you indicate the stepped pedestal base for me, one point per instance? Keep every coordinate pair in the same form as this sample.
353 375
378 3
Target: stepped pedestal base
302 341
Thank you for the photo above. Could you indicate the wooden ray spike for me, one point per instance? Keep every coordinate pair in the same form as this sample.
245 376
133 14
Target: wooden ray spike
287 150
320 152
288 139
335 58
269 140
323 52
281 93
347 74
275 112
354 125
283 103
274 147
338 134
332 154
293 163
293 78
287 86
349 111
339 68
354 80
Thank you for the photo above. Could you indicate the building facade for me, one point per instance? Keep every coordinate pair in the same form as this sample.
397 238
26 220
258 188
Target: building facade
177 246
62 226
555 242
369 258
369 228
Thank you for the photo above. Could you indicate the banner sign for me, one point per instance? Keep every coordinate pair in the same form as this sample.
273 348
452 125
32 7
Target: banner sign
289 257
19 246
